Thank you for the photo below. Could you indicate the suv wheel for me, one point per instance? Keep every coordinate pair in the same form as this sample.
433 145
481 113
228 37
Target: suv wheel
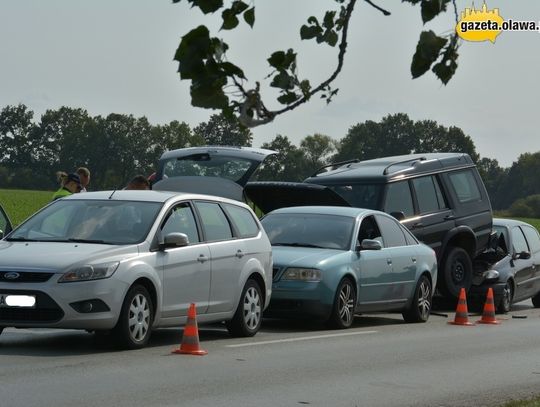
456 272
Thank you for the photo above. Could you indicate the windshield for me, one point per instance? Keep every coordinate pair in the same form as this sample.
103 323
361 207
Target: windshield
90 221
360 195
309 230
206 165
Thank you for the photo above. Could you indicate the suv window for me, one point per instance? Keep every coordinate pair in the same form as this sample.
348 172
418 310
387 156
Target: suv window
465 186
532 238
391 232
518 240
428 194
243 220
399 199
214 222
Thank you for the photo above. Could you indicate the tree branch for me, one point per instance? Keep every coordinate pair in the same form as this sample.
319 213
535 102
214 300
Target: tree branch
385 12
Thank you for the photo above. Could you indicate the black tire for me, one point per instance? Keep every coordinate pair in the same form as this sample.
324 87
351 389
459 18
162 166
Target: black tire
421 303
247 319
134 325
455 272
342 315
505 303
536 300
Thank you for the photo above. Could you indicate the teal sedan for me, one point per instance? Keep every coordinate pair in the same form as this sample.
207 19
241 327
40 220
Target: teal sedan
332 262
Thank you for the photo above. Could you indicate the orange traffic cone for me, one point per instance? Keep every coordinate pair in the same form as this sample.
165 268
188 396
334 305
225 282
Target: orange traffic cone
488 315
462 314
190 339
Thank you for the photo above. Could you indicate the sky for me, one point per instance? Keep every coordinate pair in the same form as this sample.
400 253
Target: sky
117 57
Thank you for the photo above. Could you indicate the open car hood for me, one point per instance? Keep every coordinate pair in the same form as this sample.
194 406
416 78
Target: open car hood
268 196
236 164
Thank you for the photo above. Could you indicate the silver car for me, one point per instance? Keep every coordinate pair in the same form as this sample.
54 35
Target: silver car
127 262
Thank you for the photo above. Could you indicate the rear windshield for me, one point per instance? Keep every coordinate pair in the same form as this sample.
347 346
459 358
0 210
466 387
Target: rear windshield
205 165
360 195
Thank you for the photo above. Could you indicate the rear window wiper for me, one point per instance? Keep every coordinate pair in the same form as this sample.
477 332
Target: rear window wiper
298 245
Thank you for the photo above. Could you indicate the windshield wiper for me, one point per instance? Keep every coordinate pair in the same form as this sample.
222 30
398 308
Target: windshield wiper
87 241
298 245
21 239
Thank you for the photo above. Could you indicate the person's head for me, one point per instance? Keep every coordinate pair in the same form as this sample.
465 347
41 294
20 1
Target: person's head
138 182
84 176
73 183
61 176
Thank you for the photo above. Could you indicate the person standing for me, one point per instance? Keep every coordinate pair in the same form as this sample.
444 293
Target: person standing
84 176
138 182
70 184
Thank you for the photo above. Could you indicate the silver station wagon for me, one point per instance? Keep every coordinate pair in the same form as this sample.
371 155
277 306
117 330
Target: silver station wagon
125 262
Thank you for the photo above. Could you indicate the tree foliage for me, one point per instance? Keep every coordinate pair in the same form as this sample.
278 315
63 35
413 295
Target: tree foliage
217 83
221 130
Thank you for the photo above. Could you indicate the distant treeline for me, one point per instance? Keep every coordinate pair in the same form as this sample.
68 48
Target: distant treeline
119 146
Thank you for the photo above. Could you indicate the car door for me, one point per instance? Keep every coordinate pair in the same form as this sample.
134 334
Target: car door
533 240
186 270
5 224
402 258
374 269
227 255
523 268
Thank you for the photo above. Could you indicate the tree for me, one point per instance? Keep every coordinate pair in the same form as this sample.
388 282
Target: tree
434 138
17 136
217 83
289 164
317 150
522 179
494 178
221 130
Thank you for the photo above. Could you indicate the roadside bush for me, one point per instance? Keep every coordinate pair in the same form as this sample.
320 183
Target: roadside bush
528 207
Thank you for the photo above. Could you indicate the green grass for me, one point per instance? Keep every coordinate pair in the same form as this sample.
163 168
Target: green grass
19 204
523 403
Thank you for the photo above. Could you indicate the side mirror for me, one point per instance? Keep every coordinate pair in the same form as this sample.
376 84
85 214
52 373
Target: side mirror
369 244
398 215
522 255
174 240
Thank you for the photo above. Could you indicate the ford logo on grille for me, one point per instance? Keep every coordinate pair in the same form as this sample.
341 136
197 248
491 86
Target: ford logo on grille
12 276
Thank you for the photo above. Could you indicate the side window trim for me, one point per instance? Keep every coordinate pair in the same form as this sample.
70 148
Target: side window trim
189 205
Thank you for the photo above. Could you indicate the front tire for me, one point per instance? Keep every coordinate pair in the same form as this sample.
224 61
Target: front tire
505 303
456 271
342 315
247 319
421 303
536 300
134 325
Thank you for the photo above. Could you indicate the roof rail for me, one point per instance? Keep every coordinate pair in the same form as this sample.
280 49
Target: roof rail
334 166
414 160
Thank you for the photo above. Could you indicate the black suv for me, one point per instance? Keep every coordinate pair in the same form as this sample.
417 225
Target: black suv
440 197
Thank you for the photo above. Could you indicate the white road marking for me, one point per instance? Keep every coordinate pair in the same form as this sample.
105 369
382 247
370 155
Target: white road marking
302 338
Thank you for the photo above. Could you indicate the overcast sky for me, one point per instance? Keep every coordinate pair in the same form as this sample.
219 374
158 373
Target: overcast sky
116 56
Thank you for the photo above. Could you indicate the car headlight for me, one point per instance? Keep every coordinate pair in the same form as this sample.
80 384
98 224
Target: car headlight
491 275
89 272
302 274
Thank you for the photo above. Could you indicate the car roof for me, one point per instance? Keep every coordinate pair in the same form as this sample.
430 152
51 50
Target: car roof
509 222
146 196
327 210
386 169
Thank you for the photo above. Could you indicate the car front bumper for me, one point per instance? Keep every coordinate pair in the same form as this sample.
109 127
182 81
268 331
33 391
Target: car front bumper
478 293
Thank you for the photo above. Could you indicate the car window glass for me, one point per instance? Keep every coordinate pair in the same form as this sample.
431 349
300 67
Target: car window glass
181 220
391 232
465 186
399 199
369 230
518 240
207 165
3 221
359 195
440 197
214 222
57 223
409 237
532 238
243 220
426 194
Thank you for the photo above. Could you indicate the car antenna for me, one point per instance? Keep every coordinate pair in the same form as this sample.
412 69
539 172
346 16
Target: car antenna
112 193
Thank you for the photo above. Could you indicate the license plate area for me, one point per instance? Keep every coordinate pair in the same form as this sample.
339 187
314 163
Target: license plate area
17 301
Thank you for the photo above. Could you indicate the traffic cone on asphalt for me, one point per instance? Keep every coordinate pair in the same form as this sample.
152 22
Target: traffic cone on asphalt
462 314
488 315
190 339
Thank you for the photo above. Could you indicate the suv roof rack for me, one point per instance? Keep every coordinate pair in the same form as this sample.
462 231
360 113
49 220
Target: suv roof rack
334 166
413 160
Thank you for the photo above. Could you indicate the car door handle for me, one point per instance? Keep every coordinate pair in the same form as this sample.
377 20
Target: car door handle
449 217
239 254
202 258
389 262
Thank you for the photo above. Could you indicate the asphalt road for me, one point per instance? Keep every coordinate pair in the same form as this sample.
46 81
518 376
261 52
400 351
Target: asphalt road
381 361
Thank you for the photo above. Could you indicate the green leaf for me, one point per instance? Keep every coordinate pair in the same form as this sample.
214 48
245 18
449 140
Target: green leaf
194 47
432 8
288 98
331 38
283 81
232 70
229 19
282 60
328 21
208 6
305 87
427 51
309 32
249 16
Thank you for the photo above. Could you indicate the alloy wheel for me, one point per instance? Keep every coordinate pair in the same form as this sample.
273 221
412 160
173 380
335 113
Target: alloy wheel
252 308
424 299
346 304
139 317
